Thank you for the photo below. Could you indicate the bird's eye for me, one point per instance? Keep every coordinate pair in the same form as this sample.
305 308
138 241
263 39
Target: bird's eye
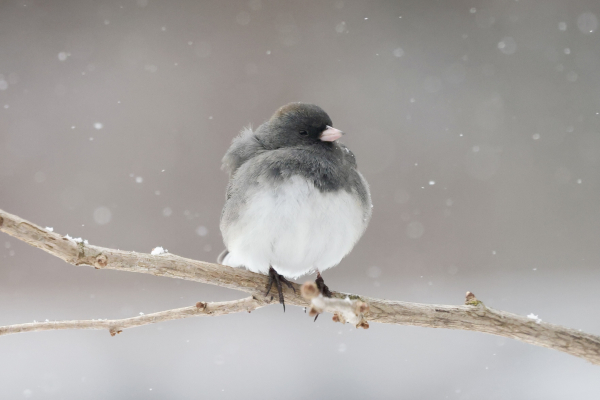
303 133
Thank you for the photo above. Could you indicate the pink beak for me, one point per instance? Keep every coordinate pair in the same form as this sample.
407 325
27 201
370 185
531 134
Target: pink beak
330 134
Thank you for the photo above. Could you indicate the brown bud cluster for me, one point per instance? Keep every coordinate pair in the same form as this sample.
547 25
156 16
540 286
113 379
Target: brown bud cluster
114 331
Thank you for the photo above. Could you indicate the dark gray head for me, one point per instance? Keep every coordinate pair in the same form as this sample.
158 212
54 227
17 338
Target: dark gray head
298 124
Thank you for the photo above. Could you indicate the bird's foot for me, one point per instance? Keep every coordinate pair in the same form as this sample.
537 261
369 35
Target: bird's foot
274 277
322 288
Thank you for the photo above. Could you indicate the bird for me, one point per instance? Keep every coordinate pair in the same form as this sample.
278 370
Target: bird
295 203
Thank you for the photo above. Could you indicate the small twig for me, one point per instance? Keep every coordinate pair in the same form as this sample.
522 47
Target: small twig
116 326
472 317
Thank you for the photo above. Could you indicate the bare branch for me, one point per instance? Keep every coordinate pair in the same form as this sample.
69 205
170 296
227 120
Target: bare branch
116 326
474 316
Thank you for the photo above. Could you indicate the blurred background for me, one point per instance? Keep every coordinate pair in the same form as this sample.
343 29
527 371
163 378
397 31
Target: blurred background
476 123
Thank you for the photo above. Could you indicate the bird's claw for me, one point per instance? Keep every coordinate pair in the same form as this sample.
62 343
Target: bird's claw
322 288
278 279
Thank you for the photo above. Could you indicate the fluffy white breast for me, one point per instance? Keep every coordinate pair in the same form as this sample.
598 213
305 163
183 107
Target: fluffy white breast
295 228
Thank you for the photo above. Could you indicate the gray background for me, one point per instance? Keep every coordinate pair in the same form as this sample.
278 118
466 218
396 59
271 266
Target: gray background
496 103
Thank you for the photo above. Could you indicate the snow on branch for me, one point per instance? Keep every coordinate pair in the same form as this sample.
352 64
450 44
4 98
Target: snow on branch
355 309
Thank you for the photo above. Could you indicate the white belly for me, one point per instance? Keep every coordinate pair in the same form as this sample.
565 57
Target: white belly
294 228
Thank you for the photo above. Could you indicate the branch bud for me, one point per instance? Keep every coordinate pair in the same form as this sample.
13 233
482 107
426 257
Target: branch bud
471 300
314 310
338 318
363 324
360 307
114 331
309 290
101 261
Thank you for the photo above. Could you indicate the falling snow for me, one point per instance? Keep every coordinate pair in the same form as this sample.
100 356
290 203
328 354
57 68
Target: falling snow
505 131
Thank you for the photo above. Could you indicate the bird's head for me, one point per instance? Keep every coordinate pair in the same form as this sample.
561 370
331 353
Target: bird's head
299 124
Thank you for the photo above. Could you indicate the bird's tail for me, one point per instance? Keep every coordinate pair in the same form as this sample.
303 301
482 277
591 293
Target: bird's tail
222 256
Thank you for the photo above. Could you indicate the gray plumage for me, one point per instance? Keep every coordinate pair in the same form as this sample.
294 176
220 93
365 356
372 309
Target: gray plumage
295 201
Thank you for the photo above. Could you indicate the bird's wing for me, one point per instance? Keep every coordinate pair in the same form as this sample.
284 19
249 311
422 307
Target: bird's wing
237 192
244 147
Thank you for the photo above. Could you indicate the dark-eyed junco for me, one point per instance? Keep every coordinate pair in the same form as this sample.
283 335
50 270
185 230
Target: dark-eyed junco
296 203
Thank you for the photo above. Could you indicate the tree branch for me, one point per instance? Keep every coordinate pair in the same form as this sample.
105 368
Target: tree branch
474 316
115 326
